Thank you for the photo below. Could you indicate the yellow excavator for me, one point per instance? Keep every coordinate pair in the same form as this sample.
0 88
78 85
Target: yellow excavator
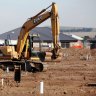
22 53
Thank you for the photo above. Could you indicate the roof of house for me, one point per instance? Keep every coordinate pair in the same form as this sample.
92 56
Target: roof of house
45 34
67 38
76 37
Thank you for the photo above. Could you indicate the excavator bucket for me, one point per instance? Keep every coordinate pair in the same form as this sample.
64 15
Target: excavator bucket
46 57
49 57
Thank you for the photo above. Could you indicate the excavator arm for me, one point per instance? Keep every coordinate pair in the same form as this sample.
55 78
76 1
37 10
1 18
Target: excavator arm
55 31
36 20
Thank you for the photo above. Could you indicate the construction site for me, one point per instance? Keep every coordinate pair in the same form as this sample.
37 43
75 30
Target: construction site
73 76
63 68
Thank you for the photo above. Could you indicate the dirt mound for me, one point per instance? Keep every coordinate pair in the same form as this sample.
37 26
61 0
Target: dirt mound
75 54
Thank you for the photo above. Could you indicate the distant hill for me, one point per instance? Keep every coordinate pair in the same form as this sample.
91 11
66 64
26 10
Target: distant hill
77 29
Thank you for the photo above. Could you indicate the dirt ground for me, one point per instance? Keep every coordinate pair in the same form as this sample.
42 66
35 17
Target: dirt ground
70 77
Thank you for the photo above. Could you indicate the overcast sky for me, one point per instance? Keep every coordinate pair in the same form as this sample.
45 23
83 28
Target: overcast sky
75 13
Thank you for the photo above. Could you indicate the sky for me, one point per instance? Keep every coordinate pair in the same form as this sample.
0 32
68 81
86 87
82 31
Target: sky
73 13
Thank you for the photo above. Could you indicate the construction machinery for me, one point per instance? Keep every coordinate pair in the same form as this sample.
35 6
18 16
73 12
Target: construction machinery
22 53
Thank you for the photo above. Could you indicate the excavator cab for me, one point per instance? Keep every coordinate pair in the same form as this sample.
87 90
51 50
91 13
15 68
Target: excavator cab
33 52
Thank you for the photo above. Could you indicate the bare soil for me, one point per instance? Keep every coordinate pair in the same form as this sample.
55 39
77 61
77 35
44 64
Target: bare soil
70 77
